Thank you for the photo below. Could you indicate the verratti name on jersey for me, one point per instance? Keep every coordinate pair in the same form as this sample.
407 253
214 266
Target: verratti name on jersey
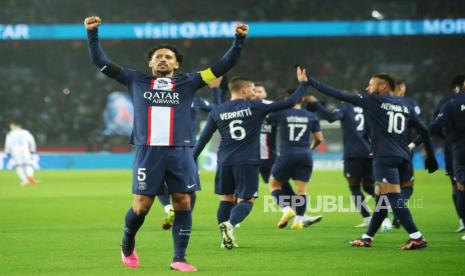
236 114
394 107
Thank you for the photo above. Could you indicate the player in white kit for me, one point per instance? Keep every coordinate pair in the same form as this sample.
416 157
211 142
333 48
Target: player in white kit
20 146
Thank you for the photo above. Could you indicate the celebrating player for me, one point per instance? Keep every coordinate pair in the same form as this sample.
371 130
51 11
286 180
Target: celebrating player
452 116
198 104
295 161
162 134
388 118
357 161
457 86
239 122
20 145
407 185
268 143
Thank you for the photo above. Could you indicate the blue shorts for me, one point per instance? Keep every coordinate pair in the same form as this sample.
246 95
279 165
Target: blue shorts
298 167
241 180
155 166
394 170
265 169
361 168
459 167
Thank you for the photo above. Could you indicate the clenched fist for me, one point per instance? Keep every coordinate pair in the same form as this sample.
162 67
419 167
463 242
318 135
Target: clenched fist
242 29
92 22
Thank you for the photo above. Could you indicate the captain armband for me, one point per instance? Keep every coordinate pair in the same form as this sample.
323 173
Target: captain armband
207 75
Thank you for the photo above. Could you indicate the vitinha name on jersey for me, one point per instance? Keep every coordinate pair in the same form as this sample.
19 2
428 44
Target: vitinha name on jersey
236 114
297 119
162 97
394 107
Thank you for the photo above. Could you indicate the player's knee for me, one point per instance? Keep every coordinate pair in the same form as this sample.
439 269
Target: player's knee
181 201
274 184
251 200
140 210
407 184
230 198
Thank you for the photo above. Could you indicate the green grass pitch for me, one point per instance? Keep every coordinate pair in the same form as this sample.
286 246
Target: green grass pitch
71 224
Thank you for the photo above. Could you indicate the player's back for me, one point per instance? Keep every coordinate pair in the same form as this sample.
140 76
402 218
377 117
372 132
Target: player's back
353 131
456 110
295 127
239 123
389 118
19 141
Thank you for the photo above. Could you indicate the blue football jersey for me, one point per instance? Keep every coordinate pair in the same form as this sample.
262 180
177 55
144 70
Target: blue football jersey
239 124
162 106
452 115
388 117
295 127
353 125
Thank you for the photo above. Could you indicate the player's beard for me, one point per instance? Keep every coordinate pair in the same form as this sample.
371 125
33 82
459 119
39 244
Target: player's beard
163 73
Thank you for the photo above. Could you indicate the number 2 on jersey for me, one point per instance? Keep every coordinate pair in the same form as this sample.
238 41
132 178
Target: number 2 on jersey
360 119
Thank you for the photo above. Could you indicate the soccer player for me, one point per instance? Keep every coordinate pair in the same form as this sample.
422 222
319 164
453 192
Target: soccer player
388 118
199 104
268 143
357 161
407 185
162 134
295 161
452 116
20 145
457 86
239 122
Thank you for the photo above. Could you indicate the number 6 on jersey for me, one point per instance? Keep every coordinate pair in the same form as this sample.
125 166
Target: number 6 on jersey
236 130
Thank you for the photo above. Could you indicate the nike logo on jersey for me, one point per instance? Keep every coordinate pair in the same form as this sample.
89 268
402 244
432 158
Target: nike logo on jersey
191 186
462 107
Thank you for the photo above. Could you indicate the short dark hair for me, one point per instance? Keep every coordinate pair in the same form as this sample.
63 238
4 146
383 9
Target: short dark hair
387 78
236 83
258 84
179 56
400 81
457 81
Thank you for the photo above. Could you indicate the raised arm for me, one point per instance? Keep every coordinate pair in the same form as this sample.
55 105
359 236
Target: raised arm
205 136
330 116
229 59
296 97
355 99
97 56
